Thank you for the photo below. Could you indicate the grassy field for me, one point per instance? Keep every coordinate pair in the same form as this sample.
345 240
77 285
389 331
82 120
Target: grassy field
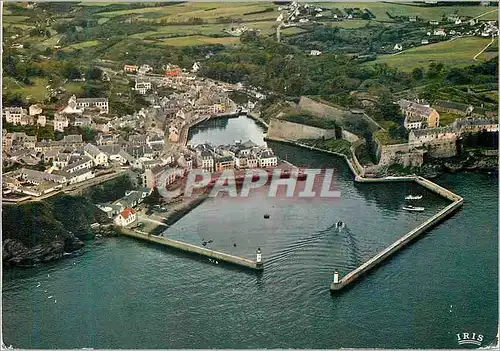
491 52
458 52
347 24
446 118
427 13
50 42
266 27
205 10
199 40
74 88
86 3
82 45
205 29
385 139
14 19
35 92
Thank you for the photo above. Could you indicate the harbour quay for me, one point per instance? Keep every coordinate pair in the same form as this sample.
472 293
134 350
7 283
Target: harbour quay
213 255
338 283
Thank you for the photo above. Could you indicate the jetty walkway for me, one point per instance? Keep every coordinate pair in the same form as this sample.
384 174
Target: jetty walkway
186 247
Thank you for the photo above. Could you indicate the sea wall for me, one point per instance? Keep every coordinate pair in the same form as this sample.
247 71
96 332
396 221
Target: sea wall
316 108
456 200
402 154
191 248
295 131
396 246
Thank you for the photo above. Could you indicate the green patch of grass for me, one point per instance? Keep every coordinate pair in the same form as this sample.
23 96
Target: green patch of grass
380 10
458 52
102 20
310 121
82 45
74 88
204 10
385 138
32 93
86 3
292 30
14 19
446 118
52 41
199 40
205 29
349 24
341 146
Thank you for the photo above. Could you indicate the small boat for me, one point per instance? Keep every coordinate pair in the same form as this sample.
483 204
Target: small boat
339 225
413 197
266 216
411 208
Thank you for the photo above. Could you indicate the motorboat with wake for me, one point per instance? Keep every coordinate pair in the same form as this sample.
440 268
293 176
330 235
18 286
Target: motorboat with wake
413 197
412 208
339 225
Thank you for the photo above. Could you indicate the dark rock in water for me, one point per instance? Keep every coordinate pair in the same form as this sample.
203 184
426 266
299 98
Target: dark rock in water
72 244
204 243
266 216
234 245
16 254
210 241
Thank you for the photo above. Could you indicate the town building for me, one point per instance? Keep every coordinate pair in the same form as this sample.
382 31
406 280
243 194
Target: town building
83 121
224 162
438 142
462 109
106 139
474 125
98 157
142 86
130 68
418 116
144 69
126 218
13 114
99 103
173 70
35 110
266 158
60 122
41 120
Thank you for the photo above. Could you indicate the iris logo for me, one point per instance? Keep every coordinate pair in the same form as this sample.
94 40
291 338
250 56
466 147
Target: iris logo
470 339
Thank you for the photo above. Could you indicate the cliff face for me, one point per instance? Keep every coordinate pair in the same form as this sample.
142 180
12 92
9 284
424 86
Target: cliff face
53 228
46 230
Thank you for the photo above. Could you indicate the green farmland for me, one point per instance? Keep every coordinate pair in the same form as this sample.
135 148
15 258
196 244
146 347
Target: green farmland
458 52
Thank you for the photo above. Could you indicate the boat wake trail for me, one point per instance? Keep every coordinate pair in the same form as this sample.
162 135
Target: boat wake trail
301 244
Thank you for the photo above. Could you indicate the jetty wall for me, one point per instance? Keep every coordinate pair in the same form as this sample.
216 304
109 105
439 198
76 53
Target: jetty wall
240 261
396 246
290 130
456 202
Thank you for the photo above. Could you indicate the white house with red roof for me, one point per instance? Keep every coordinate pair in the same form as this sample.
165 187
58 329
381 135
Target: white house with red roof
126 217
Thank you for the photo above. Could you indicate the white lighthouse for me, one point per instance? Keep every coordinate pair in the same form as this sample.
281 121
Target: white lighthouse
336 277
259 257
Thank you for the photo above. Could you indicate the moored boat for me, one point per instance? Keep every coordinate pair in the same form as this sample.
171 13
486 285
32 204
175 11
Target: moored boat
412 208
413 197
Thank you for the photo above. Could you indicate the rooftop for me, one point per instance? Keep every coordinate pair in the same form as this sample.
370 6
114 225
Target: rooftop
431 131
91 100
127 212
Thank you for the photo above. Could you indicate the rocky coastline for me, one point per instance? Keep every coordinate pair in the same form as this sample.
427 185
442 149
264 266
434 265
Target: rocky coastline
16 253
436 167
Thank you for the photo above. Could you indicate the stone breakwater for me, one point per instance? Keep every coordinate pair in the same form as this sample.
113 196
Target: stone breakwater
190 248
456 202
